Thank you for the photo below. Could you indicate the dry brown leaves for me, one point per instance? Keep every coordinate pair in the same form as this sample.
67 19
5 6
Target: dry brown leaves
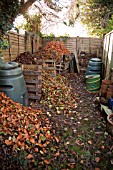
22 127
58 94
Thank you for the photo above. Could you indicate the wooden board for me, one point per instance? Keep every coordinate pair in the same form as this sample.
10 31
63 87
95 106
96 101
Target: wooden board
77 62
106 109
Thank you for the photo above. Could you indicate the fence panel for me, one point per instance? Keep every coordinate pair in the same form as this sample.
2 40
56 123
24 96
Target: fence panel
108 55
29 42
86 44
21 43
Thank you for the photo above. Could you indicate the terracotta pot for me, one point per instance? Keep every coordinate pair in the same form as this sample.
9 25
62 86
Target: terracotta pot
108 82
109 94
104 86
103 92
110 123
110 87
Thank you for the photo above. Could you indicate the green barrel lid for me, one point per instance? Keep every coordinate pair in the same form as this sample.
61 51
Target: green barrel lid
11 72
95 59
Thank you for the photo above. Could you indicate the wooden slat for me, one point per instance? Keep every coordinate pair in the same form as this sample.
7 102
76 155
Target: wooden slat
31 89
34 97
33 78
29 72
31 81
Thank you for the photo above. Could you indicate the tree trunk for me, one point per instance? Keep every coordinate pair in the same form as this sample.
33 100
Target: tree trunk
25 6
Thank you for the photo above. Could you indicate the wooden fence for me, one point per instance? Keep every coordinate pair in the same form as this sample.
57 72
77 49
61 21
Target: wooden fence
30 42
21 43
108 55
85 44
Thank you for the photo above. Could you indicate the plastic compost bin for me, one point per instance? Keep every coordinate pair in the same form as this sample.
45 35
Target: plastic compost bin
94 66
12 83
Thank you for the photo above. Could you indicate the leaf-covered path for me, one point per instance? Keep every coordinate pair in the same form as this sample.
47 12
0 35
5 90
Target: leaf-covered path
83 142
79 137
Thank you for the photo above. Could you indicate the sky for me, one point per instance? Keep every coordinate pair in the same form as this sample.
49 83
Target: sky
61 29
58 28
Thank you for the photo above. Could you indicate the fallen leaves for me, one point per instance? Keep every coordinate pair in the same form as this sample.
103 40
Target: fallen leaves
79 143
30 156
103 147
97 169
36 149
57 140
97 159
53 50
57 47
22 126
90 142
57 153
8 142
57 94
19 125
37 126
32 140
47 162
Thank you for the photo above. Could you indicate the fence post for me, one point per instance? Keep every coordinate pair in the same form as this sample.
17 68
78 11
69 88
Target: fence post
89 45
18 44
32 44
78 45
25 41
9 48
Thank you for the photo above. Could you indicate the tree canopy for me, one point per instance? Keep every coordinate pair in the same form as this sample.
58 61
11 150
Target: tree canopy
9 10
97 15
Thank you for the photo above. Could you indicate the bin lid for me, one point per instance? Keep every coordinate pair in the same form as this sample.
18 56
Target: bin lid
11 72
96 59
8 65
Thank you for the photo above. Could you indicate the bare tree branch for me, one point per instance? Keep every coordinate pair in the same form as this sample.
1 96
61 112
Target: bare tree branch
106 18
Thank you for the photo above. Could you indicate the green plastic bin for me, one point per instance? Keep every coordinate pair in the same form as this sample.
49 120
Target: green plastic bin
94 66
92 82
13 85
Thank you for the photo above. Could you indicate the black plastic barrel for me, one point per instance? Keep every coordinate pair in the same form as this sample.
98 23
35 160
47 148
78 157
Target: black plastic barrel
13 85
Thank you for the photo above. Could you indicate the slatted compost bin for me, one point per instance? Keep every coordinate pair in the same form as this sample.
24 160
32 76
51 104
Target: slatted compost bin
33 79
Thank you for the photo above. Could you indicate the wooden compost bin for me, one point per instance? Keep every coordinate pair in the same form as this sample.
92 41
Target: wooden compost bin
33 78
50 65
55 66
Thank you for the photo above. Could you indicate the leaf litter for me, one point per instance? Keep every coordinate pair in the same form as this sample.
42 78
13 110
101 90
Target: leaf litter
66 132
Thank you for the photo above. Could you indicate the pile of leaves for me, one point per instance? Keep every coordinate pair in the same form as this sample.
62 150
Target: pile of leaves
57 94
45 54
23 128
53 50
25 58
57 47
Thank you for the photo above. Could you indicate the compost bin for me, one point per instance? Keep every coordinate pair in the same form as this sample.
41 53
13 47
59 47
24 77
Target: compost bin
12 82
